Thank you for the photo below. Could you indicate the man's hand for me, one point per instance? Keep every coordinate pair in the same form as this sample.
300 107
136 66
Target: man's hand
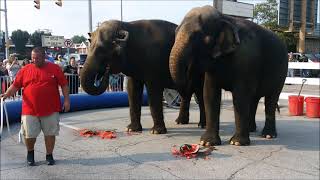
66 105
4 96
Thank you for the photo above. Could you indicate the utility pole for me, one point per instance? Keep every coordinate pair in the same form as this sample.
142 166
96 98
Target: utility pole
218 4
90 15
302 33
121 11
313 5
5 10
291 11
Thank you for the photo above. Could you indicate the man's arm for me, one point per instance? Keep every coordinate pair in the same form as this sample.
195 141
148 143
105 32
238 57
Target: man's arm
66 103
10 92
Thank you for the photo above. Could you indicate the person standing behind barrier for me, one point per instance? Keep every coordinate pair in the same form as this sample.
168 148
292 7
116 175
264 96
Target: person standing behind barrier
290 59
41 102
73 78
25 62
13 67
3 78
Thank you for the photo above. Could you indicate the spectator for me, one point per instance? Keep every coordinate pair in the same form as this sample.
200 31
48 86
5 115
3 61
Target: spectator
60 62
115 82
73 76
290 59
50 58
25 62
41 102
3 70
13 67
304 72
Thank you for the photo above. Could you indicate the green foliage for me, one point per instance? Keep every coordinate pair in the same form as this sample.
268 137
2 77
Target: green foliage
266 14
20 39
78 39
36 38
290 39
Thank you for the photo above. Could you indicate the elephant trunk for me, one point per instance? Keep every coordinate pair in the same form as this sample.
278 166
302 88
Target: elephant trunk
179 60
94 81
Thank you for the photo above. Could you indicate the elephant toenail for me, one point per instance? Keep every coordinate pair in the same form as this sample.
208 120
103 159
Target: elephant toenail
231 142
208 144
237 144
268 136
201 143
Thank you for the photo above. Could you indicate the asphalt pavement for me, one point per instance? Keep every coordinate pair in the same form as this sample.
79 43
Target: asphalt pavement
294 154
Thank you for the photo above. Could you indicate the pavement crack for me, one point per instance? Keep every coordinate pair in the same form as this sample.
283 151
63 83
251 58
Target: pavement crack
232 176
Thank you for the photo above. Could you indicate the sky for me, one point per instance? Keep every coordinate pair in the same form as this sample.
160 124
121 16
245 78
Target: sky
72 18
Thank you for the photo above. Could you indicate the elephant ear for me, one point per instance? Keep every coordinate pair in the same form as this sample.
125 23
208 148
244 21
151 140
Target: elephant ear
227 40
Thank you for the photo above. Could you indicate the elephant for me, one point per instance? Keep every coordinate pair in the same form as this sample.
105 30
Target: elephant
236 55
140 50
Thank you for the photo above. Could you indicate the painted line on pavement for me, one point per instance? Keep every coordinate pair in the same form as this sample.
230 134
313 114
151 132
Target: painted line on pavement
69 126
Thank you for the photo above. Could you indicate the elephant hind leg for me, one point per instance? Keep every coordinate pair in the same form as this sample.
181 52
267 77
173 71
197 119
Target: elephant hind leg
252 114
269 130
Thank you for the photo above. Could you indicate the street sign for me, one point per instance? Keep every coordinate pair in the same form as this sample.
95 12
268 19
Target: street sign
68 43
52 41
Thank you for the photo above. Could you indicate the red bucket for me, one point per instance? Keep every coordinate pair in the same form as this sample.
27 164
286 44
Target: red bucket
313 107
296 105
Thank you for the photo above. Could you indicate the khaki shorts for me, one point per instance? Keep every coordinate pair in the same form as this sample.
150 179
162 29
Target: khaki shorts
32 125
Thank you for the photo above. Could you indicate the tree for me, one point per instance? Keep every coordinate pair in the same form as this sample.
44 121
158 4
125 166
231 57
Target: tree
36 38
20 39
78 39
266 14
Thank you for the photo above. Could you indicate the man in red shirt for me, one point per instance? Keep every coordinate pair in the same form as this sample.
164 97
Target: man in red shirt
40 102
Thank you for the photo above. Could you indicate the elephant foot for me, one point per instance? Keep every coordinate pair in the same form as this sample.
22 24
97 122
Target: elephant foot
182 120
208 139
158 130
269 133
202 124
240 140
134 127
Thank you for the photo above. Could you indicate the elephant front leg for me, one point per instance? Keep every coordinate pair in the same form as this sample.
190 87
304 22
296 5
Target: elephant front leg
241 103
155 102
212 100
183 117
135 91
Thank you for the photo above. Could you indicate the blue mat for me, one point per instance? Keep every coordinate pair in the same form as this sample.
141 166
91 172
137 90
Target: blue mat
80 102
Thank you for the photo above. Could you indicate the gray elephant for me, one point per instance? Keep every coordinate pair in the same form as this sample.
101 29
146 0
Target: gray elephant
236 55
140 50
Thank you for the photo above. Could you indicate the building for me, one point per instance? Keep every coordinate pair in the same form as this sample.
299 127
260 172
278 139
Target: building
290 17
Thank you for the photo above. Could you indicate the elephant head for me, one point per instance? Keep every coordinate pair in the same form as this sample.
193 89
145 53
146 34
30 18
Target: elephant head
204 35
105 56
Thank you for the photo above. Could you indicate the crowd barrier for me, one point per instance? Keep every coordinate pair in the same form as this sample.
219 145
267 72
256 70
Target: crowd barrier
297 71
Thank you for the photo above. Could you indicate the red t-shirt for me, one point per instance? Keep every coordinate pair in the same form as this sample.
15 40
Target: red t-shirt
40 89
